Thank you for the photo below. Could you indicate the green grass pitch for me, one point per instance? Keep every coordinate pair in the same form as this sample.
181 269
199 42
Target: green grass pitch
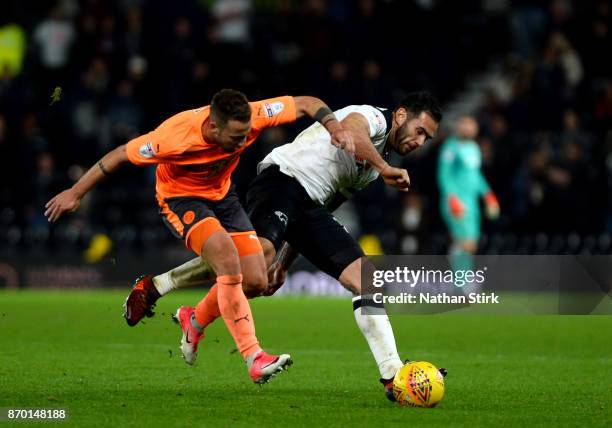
72 349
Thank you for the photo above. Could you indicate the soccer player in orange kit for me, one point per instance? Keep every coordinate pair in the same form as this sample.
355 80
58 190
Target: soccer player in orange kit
196 152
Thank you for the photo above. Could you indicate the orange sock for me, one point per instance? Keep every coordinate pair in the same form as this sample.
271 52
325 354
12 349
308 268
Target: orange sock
208 309
236 313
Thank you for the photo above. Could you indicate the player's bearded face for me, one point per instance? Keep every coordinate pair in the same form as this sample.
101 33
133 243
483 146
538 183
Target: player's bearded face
233 135
413 132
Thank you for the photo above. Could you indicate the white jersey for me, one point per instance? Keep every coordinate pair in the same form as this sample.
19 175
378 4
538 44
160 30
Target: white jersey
323 169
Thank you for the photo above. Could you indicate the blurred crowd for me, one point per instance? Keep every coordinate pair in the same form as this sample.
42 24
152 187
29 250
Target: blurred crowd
79 77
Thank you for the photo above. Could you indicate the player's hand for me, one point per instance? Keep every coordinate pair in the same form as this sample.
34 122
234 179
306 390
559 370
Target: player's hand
66 201
276 278
457 208
343 139
491 206
396 177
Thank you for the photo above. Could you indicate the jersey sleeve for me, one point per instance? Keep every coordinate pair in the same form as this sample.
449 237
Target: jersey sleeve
160 144
376 121
143 150
273 112
446 161
482 184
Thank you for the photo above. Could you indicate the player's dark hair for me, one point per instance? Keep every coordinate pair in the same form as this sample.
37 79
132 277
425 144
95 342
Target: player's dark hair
229 104
422 101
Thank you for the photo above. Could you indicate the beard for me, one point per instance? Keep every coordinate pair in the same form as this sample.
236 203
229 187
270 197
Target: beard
397 145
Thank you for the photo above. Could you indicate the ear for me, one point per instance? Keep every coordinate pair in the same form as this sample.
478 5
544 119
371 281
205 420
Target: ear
214 127
400 115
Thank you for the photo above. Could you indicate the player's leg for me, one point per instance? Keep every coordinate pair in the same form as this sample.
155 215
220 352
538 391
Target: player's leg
220 251
320 238
374 324
208 237
271 201
148 289
465 233
249 256
218 248
252 262
179 215
199 270
207 309
461 254
194 272
194 220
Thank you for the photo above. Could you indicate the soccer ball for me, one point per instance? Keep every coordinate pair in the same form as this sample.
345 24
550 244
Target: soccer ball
418 384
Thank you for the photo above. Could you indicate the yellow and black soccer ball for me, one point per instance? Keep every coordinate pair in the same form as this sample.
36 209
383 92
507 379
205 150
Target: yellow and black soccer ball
419 384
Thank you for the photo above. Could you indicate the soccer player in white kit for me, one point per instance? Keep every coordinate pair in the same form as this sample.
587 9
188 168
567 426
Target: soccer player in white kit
291 201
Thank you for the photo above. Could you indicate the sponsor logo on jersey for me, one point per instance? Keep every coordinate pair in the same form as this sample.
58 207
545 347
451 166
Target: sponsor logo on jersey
211 169
147 151
272 109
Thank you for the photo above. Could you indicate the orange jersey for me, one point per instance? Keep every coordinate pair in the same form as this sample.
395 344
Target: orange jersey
187 165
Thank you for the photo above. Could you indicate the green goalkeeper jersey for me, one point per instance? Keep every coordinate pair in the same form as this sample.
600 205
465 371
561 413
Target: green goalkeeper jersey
459 171
459 175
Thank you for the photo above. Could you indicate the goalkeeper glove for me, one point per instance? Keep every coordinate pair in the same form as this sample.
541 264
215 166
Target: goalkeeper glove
456 206
491 205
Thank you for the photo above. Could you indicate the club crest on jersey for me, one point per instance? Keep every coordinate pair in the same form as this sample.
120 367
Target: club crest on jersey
272 109
282 217
379 117
147 151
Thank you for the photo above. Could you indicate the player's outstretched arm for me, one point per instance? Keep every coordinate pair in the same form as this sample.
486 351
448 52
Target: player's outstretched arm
70 199
364 149
316 109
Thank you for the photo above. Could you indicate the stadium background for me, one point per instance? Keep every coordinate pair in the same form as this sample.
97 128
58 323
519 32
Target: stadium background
536 74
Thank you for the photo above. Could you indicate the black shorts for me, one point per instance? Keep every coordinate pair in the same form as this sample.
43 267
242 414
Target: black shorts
181 213
281 210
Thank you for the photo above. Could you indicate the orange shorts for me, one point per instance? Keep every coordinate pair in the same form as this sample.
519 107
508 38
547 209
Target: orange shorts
194 219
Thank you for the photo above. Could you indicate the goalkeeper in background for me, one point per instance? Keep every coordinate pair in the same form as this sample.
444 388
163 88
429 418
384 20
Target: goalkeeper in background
462 185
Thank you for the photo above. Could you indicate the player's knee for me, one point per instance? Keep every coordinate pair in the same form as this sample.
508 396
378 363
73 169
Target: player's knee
350 278
225 264
222 254
469 245
351 286
254 283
